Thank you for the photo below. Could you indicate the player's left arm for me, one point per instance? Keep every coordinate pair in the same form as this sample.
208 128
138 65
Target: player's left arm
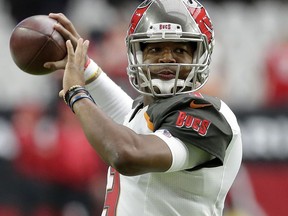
129 153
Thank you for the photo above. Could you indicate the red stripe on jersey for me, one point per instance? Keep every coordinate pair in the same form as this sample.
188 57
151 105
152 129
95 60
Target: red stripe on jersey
112 193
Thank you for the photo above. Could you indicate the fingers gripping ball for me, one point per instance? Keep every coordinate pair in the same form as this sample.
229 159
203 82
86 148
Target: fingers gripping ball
34 41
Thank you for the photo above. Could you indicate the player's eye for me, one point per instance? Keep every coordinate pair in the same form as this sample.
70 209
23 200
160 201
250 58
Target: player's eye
180 50
154 50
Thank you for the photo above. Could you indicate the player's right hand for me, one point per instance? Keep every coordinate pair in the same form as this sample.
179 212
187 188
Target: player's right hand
66 28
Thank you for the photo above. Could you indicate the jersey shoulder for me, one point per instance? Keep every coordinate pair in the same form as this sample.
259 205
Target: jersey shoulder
195 103
193 118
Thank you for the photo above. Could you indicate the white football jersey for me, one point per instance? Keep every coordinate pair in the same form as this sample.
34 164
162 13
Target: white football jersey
193 191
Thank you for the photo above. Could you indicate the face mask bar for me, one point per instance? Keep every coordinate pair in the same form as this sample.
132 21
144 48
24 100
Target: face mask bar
144 83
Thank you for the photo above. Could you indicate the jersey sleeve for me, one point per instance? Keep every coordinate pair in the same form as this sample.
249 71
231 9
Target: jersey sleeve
195 121
110 97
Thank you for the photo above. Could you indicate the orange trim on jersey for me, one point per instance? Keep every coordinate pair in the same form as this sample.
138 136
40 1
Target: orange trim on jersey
149 123
197 106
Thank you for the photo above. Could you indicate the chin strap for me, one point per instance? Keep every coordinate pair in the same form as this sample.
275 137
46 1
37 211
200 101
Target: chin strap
159 86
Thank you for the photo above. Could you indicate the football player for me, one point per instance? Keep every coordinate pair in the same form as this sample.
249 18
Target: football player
172 151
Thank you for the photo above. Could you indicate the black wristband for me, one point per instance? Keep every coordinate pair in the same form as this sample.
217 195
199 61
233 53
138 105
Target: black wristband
76 93
72 92
77 98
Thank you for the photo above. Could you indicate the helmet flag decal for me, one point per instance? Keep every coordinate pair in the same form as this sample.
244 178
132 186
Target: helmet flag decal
138 15
202 19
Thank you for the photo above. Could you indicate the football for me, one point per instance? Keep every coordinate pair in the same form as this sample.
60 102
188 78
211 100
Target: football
34 41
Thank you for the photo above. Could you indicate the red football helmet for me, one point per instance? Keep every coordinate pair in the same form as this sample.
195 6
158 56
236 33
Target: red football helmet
174 21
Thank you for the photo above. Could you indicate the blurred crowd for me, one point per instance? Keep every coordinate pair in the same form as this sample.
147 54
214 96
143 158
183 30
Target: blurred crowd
49 169
48 166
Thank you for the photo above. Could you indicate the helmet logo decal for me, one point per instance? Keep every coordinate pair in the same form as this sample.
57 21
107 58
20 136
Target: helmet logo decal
164 30
136 17
165 26
202 19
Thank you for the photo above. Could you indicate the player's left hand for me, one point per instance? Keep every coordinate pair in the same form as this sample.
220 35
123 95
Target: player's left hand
74 70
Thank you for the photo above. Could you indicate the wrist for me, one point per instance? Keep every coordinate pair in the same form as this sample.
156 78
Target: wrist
78 97
91 72
76 93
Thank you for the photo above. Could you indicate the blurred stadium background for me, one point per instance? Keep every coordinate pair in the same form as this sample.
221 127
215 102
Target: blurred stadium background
48 169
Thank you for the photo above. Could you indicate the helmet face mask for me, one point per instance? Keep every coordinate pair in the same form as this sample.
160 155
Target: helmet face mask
156 21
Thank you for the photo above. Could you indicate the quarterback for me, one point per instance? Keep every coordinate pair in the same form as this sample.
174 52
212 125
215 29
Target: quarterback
172 151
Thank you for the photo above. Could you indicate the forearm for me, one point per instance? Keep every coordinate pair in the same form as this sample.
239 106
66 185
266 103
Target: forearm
128 152
119 146
108 138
